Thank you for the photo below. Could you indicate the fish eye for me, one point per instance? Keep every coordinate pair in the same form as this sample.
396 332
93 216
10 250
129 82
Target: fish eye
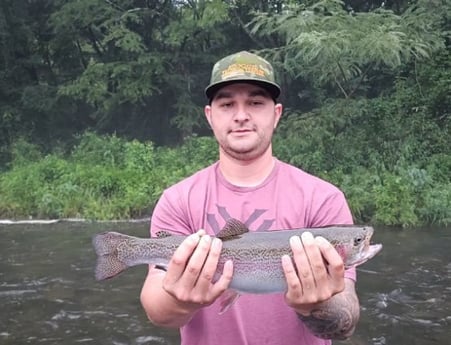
358 240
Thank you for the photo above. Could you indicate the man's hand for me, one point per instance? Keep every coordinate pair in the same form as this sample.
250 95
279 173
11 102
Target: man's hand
190 274
315 274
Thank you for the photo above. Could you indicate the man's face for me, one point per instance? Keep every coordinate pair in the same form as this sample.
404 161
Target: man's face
243 118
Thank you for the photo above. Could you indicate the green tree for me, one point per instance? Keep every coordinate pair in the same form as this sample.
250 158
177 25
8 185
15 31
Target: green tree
331 45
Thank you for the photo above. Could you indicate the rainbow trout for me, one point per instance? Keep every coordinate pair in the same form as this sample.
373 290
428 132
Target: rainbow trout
256 256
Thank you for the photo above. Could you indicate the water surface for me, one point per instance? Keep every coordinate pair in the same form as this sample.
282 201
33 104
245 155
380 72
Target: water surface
48 294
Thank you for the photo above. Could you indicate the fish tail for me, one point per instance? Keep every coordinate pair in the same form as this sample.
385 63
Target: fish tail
108 263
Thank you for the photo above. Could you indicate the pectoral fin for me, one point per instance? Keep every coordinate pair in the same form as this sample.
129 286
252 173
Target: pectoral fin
228 298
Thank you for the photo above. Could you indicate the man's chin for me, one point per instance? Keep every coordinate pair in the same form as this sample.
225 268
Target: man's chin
242 153
242 149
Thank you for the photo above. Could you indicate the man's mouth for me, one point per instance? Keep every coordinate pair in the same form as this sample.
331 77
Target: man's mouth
241 130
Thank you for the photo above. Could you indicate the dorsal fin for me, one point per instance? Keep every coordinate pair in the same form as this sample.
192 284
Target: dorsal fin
163 234
233 229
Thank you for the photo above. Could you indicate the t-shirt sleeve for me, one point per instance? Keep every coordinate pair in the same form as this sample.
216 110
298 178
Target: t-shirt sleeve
169 214
333 210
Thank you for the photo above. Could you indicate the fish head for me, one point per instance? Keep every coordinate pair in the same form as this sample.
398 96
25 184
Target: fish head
357 249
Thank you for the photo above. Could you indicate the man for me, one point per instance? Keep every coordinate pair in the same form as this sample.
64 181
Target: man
249 184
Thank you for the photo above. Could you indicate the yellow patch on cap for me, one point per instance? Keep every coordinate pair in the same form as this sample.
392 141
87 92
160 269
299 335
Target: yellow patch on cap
240 69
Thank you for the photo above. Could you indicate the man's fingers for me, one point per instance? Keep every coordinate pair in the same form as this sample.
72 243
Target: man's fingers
291 276
180 258
201 232
315 273
196 262
205 284
191 271
327 249
224 281
334 262
302 249
315 259
211 262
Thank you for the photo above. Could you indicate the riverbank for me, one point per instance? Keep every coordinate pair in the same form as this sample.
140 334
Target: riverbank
108 178
69 220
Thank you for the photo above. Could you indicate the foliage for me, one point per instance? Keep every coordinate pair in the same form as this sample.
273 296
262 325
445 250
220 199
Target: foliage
101 101
106 177
103 178
406 197
329 44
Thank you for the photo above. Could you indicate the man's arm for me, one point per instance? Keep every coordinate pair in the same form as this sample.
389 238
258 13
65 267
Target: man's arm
337 317
161 308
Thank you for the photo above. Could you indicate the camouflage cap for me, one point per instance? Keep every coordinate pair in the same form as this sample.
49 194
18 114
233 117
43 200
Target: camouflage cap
242 66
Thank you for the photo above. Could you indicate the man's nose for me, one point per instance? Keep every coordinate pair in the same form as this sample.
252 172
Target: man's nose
241 113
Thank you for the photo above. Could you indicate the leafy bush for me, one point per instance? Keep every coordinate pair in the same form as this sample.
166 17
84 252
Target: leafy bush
106 177
395 201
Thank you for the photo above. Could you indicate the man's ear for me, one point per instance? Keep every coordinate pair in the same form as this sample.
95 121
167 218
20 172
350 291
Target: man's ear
278 109
207 112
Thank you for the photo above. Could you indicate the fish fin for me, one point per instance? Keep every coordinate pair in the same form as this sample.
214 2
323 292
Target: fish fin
161 267
233 229
163 234
228 298
105 245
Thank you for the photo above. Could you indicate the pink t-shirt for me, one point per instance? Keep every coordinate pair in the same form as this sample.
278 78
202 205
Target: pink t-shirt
288 198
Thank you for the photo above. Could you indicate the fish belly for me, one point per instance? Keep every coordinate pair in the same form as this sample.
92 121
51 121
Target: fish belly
260 278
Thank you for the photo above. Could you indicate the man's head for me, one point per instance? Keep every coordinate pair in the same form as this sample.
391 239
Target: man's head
242 67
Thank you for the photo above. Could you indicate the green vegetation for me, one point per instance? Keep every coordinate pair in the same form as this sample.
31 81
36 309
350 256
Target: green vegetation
101 101
110 178
102 178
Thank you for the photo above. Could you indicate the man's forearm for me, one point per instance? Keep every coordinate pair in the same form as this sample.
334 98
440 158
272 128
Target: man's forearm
335 318
160 307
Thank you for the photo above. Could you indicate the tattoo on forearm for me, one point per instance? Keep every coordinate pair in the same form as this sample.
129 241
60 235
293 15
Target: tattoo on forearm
334 319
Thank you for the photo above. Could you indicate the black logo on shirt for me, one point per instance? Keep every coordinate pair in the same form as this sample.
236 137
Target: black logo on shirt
222 212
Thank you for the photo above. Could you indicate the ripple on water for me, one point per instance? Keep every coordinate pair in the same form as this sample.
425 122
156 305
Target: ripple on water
84 340
15 293
379 341
149 338
66 315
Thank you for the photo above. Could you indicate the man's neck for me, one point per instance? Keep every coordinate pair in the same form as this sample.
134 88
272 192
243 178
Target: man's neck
246 173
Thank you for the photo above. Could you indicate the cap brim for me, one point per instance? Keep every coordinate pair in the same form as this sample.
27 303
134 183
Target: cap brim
272 88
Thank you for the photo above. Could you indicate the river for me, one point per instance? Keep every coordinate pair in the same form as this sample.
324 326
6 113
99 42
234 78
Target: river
48 294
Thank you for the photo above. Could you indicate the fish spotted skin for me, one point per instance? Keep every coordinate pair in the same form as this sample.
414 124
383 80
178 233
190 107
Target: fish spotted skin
256 256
